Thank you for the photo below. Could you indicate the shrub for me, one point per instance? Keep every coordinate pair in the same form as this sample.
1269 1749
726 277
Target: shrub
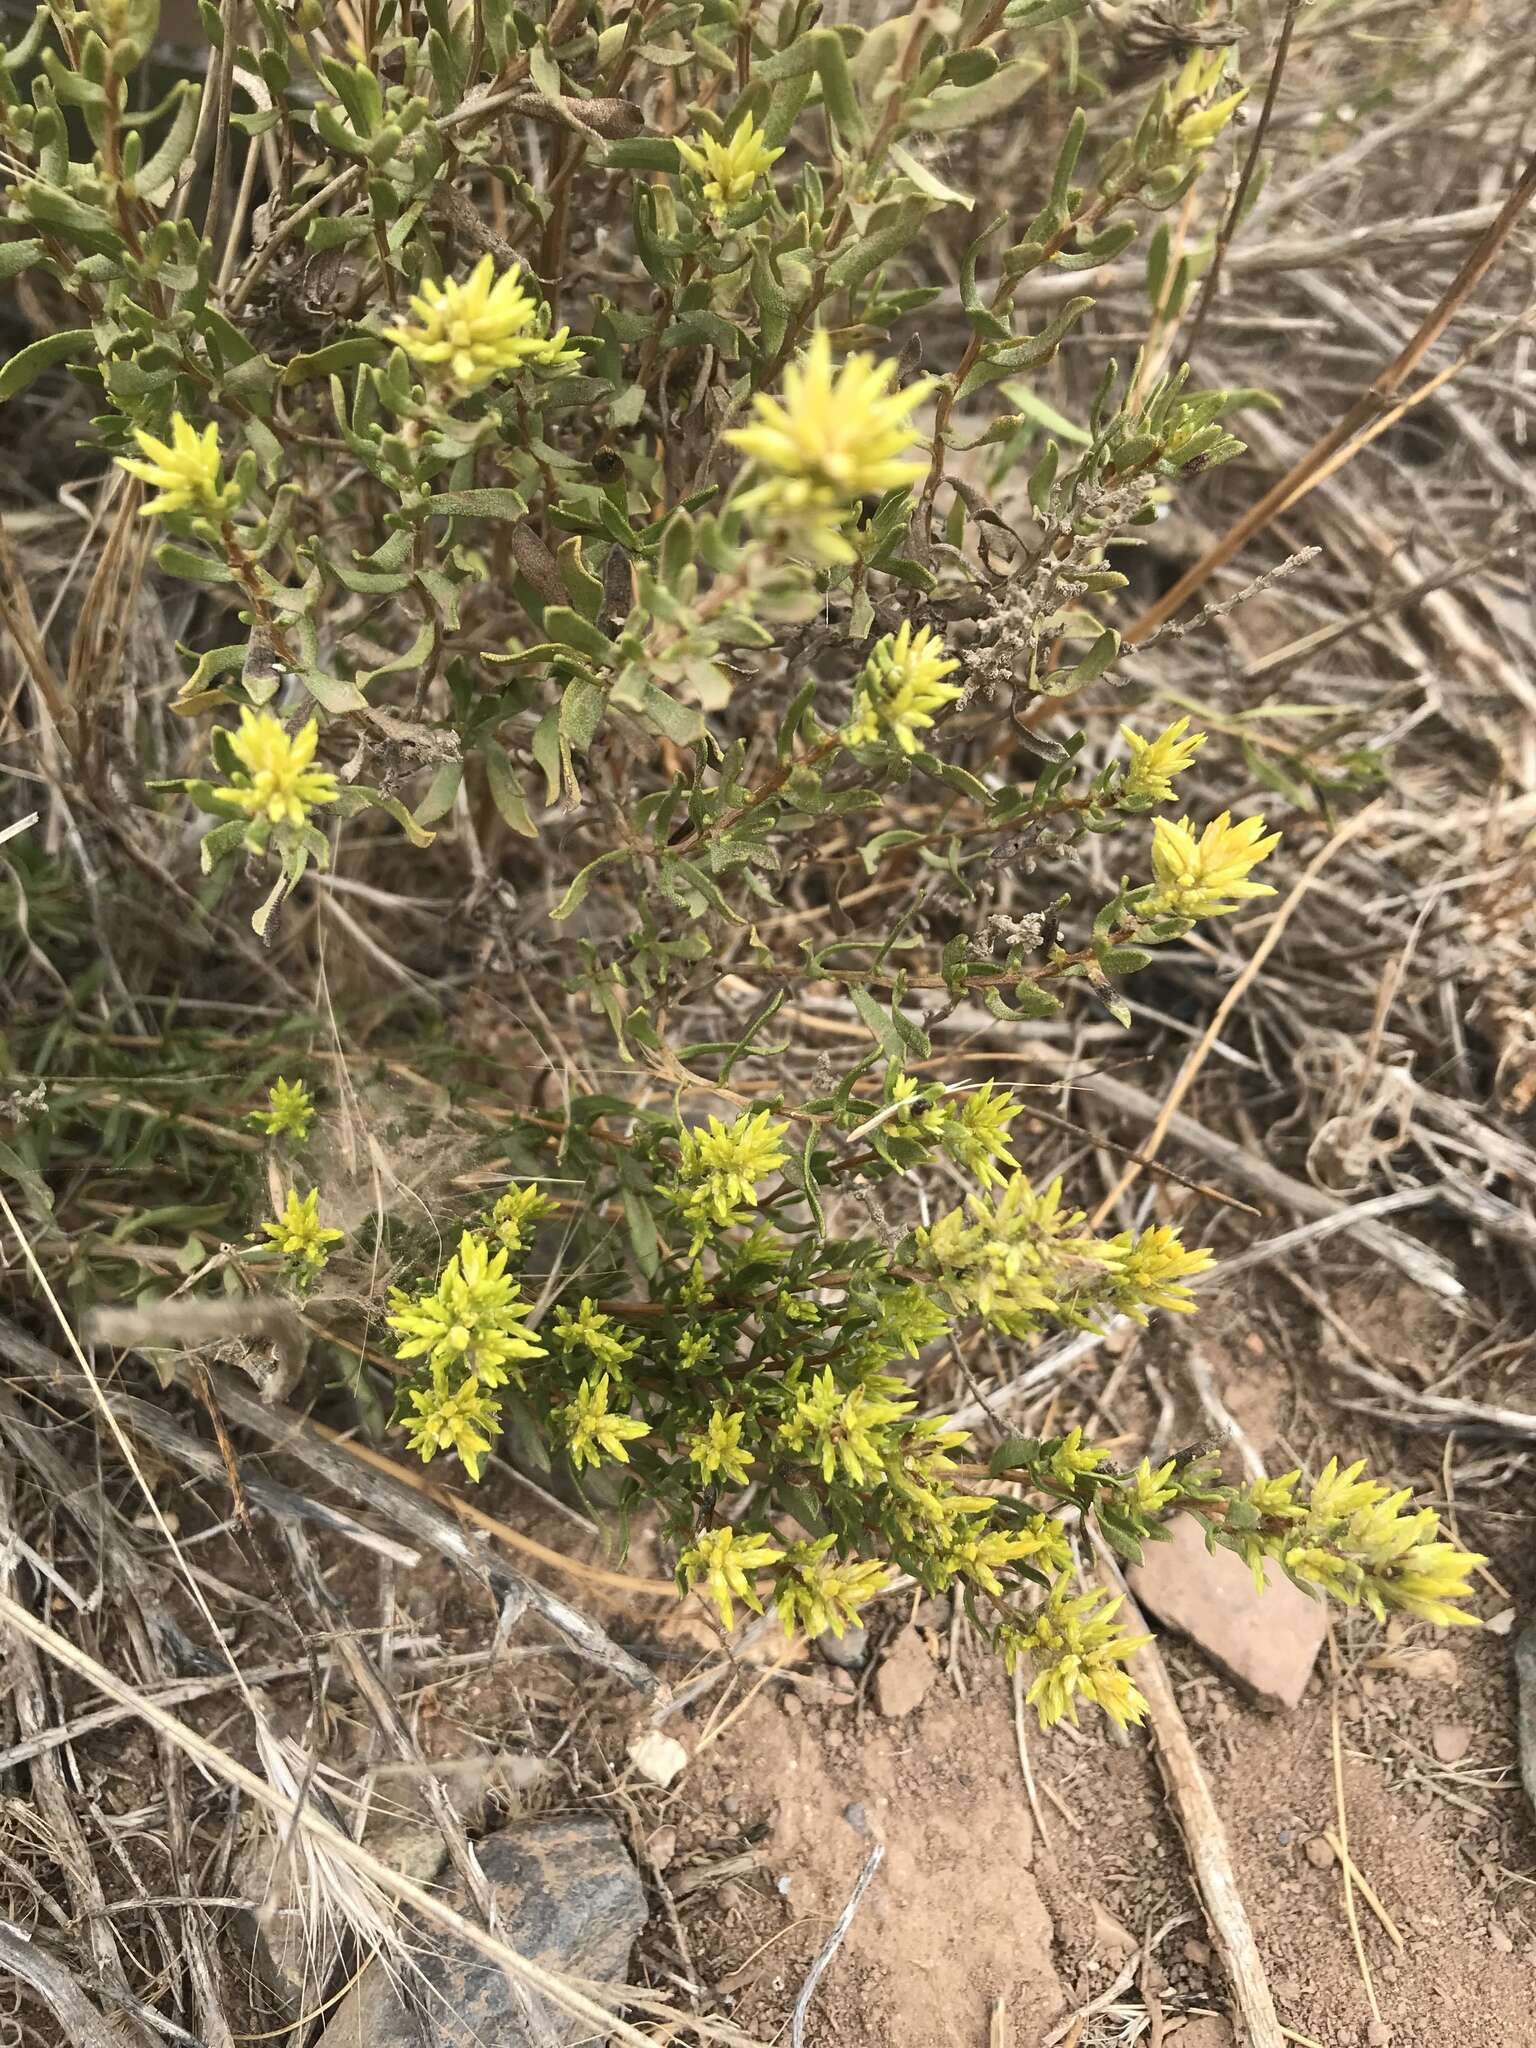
542 414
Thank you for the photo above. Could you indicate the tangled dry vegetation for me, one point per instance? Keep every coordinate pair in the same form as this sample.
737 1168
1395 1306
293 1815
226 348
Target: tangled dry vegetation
233 1602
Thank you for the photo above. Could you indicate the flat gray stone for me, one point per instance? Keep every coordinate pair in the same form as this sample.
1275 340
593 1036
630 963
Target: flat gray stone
1266 1642
1525 1695
569 1898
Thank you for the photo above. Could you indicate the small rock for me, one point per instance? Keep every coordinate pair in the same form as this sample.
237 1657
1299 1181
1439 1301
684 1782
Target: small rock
1112 1940
934 1612
1198 1953
791 1704
567 1896
1501 1623
1499 1939
1450 1740
1268 1642
1319 1853
1525 1684
661 1848
856 1818
730 1804
1209 2030
661 1758
905 1674
846 1651
401 1832
1286 1990
1378 2035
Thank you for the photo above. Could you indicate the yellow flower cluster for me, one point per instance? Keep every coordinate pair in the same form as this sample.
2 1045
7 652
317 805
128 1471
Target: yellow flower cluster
1154 763
481 329
1077 1649
835 437
900 688
1207 876
814 1592
719 1168
290 1111
593 1430
1202 73
299 1234
470 1328
1363 1544
185 471
275 781
1019 1258
839 1431
725 1561
731 168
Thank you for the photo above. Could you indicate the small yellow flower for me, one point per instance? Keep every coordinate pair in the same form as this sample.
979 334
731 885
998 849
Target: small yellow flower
516 1214
473 1319
184 470
299 1234
815 1594
1153 1267
717 1450
722 1558
1077 1648
595 1432
832 439
1208 876
466 1419
275 780
1199 125
731 168
901 687
719 1168
1154 763
291 1109
482 328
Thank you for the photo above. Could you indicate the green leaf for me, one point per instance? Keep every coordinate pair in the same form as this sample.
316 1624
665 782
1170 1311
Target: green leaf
29 363
928 181
495 503
16 257
575 895
153 182
547 752
507 790
569 629
336 355
876 1018
442 791
963 106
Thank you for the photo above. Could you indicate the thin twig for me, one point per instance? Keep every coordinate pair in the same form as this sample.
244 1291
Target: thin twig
1306 471
1235 212
1205 1839
834 1943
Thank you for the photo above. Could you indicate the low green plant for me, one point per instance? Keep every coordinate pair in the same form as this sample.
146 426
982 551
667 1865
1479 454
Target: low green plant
541 414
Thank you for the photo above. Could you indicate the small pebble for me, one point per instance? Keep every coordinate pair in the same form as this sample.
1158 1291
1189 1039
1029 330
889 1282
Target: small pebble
1198 1953
1499 1939
847 1651
792 1703
1450 1740
1285 1838
1378 2034
1319 1853
783 1885
730 1804
856 1818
